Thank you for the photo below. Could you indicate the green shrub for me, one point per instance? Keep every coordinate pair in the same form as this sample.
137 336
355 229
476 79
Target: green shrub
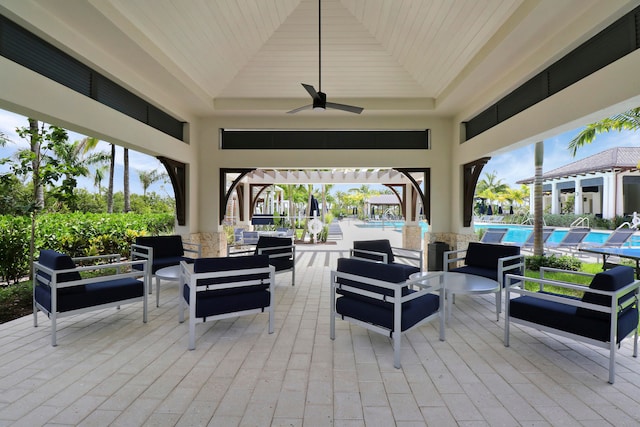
563 262
14 247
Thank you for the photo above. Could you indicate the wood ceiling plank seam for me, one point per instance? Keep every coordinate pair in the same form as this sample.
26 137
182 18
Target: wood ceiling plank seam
395 35
408 32
420 39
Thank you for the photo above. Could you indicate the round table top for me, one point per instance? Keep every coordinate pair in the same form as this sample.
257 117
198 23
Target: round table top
169 273
461 283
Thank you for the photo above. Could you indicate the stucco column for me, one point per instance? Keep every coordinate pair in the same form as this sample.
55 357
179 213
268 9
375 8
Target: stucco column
609 196
555 198
578 207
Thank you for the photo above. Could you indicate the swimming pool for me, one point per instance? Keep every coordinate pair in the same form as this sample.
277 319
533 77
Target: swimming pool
516 233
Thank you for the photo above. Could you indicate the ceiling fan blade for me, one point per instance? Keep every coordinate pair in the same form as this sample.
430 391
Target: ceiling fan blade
311 90
343 107
295 110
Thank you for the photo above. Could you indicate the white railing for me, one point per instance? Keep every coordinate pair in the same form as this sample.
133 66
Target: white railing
580 222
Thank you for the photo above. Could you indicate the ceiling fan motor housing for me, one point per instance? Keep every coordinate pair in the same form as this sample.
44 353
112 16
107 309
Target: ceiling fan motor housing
320 101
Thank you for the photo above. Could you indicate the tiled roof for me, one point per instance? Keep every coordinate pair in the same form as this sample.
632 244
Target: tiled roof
624 158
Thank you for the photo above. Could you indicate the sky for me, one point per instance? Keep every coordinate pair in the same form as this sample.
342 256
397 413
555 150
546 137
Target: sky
509 167
137 161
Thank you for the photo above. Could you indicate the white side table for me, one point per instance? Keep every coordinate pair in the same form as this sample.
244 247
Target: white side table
170 274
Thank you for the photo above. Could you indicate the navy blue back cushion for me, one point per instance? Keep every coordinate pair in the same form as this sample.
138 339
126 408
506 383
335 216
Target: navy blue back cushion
382 245
486 255
385 272
610 280
206 265
163 246
279 262
58 261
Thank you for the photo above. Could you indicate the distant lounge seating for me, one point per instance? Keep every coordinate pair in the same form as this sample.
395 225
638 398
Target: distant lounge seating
611 295
59 289
219 288
571 241
378 297
618 238
382 251
546 233
494 235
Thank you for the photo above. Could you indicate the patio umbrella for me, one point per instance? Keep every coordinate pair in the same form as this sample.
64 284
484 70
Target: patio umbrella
511 210
499 210
482 209
315 209
489 210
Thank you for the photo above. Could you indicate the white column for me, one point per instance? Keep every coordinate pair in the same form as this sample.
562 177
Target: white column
609 196
578 208
555 198
618 177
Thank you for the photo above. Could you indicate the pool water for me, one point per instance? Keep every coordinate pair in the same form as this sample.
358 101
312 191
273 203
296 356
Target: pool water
516 233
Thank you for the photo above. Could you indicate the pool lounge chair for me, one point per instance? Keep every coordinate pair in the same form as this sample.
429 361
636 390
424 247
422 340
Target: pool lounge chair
616 239
494 235
546 233
571 241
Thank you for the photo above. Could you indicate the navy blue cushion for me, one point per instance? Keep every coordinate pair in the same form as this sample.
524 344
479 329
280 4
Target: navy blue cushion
280 262
163 246
610 280
382 314
382 245
94 294
485 255
563 317
214 302
206 265
58 261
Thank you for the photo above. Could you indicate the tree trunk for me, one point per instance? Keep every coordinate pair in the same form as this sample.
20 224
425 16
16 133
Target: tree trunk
112 167
538 248
38 190
127 195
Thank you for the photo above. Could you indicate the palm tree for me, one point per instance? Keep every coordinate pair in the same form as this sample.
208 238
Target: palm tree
125 178
628 120
490 187
362 194
149 177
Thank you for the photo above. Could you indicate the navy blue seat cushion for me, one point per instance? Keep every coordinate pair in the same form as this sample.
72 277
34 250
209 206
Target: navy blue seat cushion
94 294
381 245
386 272
58 261
228 300
610 280
563 317
382 314
280 262
489 273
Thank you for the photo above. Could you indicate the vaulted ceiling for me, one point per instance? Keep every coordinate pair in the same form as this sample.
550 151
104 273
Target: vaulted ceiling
202 57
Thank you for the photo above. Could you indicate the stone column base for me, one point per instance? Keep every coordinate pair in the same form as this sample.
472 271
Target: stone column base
412 236
455 241
213 244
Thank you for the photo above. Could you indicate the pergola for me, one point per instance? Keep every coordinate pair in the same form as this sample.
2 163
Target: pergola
206 86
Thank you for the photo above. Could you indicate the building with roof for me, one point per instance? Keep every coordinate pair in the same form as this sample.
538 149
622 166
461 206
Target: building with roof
606 184
206 87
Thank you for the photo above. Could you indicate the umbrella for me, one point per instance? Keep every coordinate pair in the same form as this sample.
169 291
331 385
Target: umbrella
489 211
511 210
315 210
499 210
482 209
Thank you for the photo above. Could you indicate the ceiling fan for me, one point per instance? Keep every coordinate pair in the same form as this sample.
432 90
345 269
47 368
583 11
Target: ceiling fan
319 97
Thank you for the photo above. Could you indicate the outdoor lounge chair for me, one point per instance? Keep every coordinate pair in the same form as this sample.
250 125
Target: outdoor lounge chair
571 241
612 295
220 288
60 290
617 238
546 233
378 297
382 251
281 252
494 235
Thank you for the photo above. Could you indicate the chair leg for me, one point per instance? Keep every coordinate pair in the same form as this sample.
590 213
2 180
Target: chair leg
53 330
612 362
192 334
396 349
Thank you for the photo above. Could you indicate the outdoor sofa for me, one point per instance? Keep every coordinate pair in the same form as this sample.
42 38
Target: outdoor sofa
59 289
605 314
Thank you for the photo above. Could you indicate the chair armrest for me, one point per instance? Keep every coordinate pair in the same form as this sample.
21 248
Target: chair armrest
384 258
194 248
408 254
614 295
448 260
110 258
141 251
123 270
267 251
